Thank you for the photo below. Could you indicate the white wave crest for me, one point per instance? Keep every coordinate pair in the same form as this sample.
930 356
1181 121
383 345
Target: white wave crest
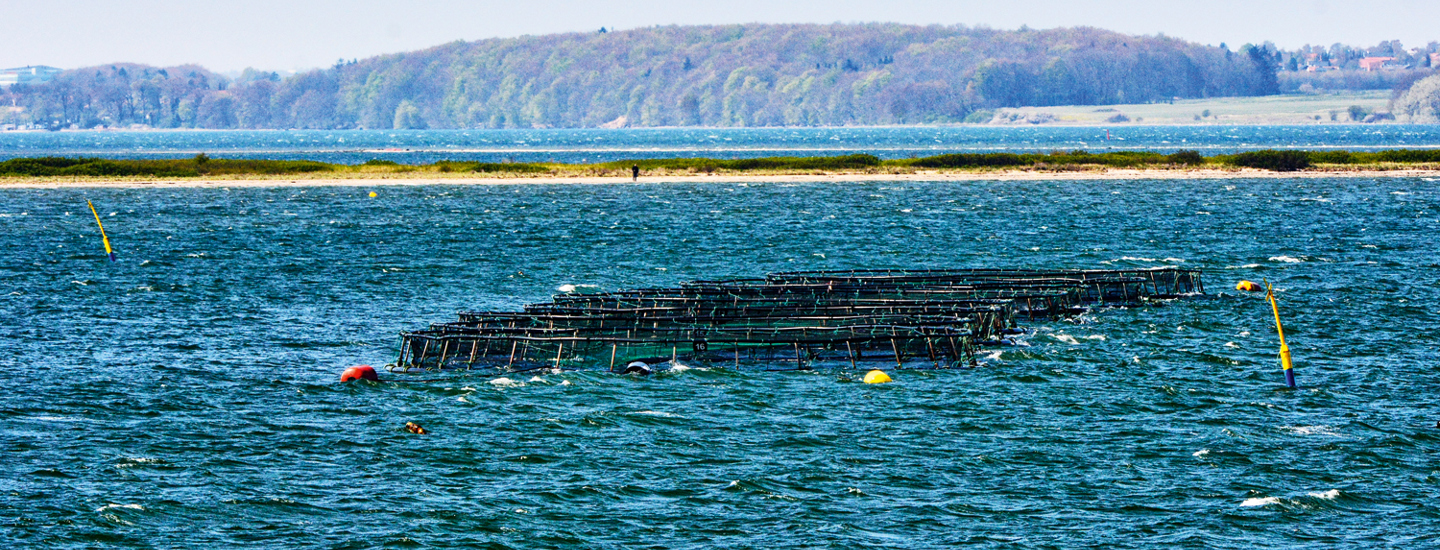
1200 453
1286 259
1327 495
122 506
52 418
571 288
504 382
1266 501
1311 430
661 414
1068 339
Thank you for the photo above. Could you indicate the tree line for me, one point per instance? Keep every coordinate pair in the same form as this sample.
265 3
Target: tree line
732 75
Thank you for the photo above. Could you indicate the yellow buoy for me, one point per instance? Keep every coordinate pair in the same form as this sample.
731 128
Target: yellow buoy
103 237
373 195
1247 286
876 377
1285 364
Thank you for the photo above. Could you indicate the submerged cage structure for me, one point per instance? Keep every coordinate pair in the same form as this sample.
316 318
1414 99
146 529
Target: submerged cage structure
909 319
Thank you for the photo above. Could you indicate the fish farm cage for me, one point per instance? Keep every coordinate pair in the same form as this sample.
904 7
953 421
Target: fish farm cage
908 319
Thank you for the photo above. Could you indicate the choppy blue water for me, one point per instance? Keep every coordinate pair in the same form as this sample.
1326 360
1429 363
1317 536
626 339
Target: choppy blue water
581 146
186 396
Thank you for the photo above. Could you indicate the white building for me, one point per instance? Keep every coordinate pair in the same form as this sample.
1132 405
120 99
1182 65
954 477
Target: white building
34 74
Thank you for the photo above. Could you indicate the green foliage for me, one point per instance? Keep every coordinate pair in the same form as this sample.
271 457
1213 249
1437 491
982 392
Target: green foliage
1332 157
55 166
407 117
735 75
518 167
1397 156
1420 103
1411 156
1271 159
379 162
1117 159
980 117
844 162
967 160
273 167
164 168
1186 158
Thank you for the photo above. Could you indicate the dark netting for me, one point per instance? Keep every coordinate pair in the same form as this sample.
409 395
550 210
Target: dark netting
921 319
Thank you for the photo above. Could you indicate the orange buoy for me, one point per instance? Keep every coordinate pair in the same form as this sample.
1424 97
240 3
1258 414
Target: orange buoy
359 372
414 428
1248 286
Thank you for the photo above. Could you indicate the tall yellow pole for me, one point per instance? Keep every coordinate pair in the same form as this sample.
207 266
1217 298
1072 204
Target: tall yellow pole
1284 349
104 238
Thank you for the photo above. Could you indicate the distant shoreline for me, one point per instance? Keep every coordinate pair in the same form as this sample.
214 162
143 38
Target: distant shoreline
837 177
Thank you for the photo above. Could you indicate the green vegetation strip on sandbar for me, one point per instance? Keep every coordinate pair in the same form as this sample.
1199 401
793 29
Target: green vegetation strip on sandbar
203 166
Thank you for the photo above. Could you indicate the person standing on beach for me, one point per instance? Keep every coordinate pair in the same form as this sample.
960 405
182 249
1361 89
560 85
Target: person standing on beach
635 172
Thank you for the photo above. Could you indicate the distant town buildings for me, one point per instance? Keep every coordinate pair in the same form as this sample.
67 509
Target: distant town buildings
28 75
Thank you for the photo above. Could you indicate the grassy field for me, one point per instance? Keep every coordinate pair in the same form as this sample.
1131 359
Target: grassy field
1279 109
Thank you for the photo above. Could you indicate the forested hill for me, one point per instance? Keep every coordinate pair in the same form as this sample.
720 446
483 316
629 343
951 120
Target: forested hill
739 75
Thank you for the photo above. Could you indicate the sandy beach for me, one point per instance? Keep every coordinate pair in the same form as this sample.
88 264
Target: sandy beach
957 176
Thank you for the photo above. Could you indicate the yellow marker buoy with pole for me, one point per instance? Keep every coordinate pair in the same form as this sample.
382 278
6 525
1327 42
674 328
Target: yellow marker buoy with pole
1284 349
876 377
103 237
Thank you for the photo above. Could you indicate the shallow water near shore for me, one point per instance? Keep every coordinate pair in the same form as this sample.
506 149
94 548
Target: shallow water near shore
186 395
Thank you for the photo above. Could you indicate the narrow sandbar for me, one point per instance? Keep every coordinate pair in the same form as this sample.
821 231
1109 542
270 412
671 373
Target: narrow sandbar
329 180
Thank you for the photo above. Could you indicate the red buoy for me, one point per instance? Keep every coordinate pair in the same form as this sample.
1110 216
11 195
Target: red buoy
359 372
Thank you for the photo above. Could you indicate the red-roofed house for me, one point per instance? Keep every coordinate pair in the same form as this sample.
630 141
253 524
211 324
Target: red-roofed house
1375 63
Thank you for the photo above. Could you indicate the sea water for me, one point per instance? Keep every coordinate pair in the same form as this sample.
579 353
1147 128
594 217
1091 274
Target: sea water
187 396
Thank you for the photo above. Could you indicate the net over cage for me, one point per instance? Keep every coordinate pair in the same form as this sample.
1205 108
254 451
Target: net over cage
908 319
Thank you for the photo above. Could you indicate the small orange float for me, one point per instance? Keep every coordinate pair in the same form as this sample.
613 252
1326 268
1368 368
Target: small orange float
359 372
